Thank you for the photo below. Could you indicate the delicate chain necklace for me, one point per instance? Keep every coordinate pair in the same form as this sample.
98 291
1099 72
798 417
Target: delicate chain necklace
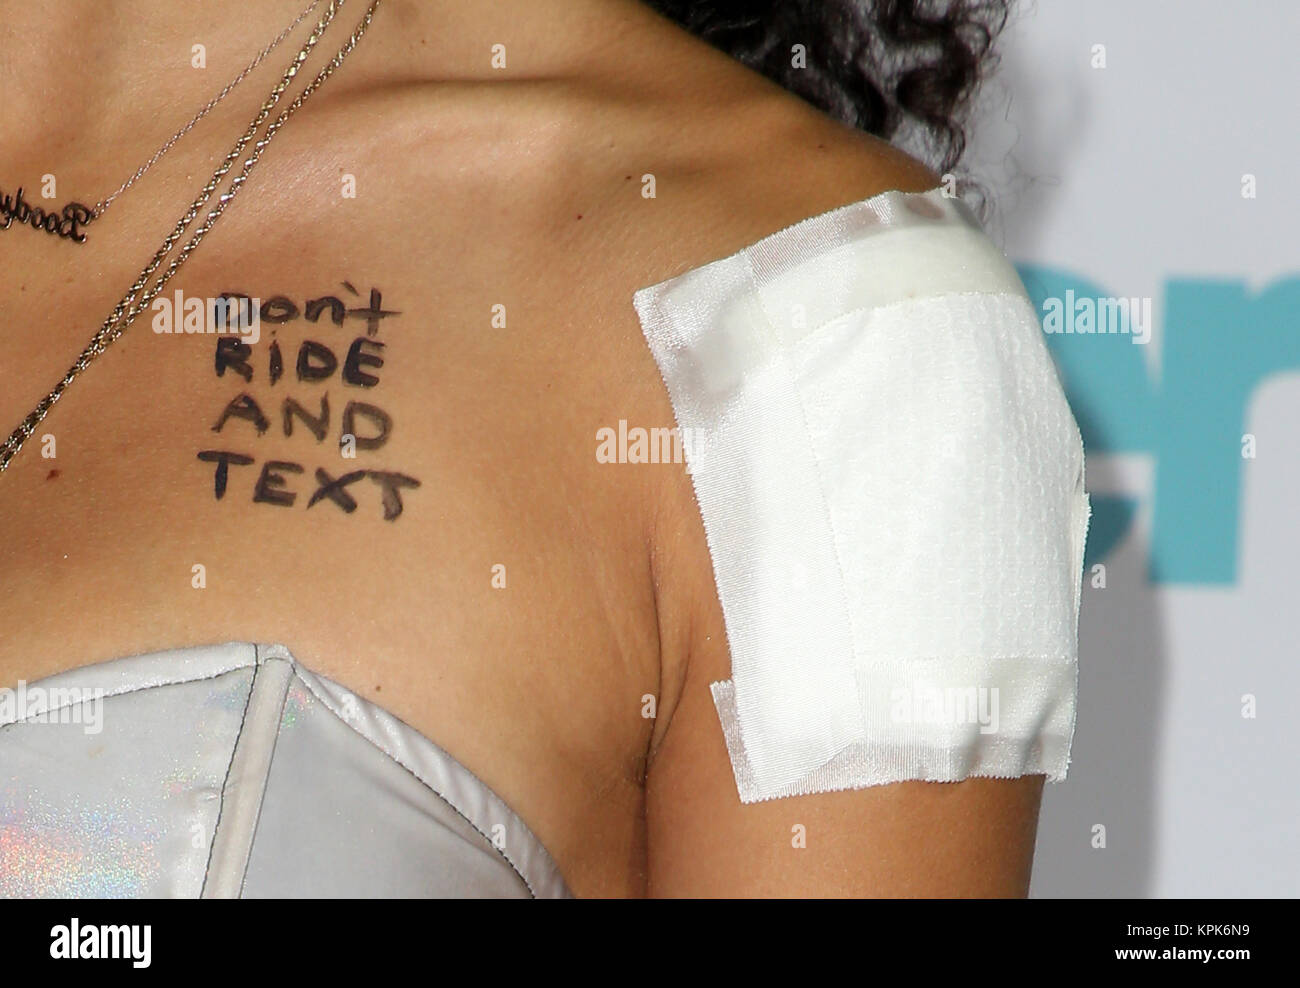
130 307
67 223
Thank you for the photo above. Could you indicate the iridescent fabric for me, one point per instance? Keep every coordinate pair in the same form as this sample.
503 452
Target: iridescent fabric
232 771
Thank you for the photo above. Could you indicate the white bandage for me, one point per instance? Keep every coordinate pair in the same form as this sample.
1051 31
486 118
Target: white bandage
891 483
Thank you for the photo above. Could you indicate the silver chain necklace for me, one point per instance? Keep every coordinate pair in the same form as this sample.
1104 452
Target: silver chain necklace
68 223
133 303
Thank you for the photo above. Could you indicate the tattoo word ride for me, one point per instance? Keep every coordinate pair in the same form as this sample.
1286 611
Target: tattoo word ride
364 427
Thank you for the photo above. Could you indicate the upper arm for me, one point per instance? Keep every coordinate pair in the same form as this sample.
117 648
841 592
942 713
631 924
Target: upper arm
892 494
969 838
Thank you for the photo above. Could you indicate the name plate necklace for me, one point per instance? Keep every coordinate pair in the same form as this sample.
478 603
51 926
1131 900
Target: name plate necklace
137 299
69 222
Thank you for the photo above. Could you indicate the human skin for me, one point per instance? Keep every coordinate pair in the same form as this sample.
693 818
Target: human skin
476 187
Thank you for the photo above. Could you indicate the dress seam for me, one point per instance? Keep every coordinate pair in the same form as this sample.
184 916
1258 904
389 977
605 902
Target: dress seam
126 691
225 779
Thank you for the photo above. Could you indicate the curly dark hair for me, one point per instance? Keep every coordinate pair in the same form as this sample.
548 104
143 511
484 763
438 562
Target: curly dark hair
894 68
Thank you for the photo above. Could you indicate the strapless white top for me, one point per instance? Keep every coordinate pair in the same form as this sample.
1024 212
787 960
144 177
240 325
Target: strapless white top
230 771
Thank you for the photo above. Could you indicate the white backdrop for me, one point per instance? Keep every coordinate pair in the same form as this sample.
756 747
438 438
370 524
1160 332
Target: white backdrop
1129 178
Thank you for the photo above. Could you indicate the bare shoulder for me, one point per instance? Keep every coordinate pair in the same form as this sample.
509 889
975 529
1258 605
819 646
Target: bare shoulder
659 154
723 182
727 168
724 162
